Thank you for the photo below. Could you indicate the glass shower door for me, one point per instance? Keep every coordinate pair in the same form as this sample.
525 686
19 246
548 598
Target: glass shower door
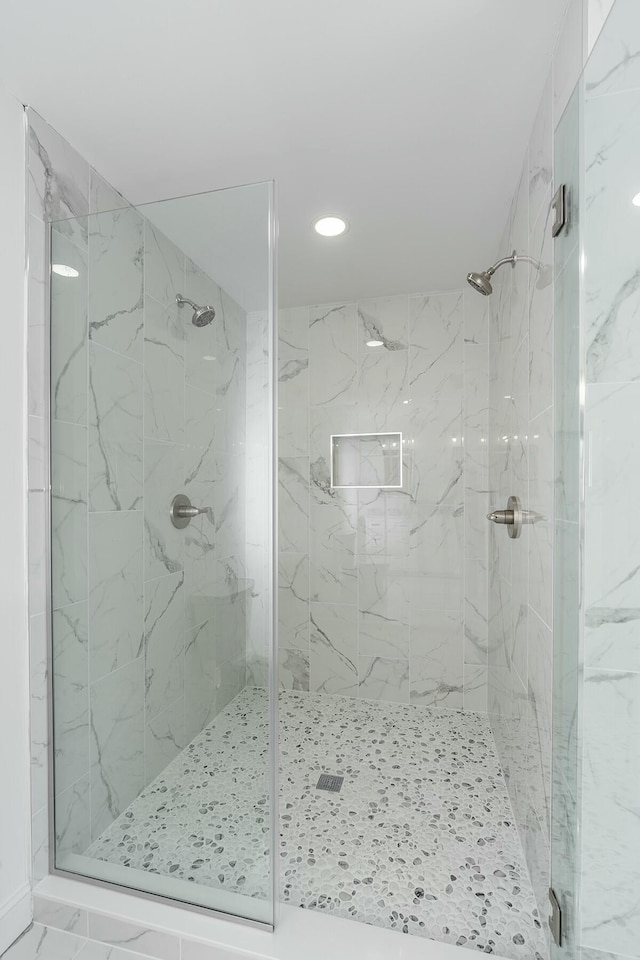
161 547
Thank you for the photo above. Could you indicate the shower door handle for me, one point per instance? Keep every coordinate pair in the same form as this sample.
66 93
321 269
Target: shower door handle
182 512
511 517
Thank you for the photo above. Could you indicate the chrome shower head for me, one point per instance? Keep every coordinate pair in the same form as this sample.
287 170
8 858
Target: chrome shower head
480 282
202 316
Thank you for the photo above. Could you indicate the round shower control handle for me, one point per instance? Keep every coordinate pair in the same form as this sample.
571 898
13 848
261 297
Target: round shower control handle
512 517
182 512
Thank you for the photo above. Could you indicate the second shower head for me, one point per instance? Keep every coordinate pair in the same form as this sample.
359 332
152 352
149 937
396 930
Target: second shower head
202 316
482 281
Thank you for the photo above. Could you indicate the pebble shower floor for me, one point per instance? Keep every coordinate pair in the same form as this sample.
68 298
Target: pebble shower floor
420 838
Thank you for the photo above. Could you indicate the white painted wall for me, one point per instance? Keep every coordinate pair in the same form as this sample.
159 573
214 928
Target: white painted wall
15 894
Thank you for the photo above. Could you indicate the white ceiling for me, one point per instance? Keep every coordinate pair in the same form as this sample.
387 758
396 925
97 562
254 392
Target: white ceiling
408 117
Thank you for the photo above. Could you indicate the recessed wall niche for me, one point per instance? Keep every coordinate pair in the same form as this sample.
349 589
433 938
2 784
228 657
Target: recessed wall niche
366 460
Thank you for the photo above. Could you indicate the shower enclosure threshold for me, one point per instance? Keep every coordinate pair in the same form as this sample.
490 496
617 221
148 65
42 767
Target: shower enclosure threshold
170 931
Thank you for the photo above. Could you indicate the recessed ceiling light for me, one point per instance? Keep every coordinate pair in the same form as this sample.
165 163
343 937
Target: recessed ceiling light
330 226
636 200
64 270
375 343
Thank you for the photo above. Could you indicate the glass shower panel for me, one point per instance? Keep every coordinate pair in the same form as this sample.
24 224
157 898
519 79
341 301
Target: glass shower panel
161 549
597 675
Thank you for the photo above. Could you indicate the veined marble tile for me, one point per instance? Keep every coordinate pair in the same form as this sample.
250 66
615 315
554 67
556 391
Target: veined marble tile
131 936
164 738
332 551
520 276
163 642
436 659
567 400
58 179
325 422
383 523
383 679
613 64
68 513
164 372
476 416
500 622
70 694
541 500
293 669
293 601
36 369
333 353
541 153
612 137
293 505
476 585
164 544
69 305
115 431
384 611
540 691
435 559
45 943
386 319
117 743
72 820
293 382
116 291
612 578
293 416
333 649
164 268
115 591
436 338
476 317
541 314
37 562
102 196
476 683
61 916
201 678
437 450
610 826
40 844
382 386
202 429
38 702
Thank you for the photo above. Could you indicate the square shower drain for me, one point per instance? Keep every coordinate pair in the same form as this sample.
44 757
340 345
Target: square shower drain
328 782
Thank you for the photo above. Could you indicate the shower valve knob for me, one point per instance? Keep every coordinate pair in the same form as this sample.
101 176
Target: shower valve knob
182 512
512 517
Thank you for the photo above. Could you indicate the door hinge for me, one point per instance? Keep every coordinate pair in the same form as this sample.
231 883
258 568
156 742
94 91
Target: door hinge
555 918
559 207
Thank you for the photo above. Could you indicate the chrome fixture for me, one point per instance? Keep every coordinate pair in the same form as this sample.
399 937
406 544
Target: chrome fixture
512 517
181 512
482 281
201 315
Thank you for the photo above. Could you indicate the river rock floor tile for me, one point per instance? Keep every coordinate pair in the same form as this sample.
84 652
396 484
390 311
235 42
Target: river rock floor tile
421 837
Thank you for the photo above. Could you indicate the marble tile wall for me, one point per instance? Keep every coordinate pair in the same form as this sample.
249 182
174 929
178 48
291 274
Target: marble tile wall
521 424
383 593
148 621
610 913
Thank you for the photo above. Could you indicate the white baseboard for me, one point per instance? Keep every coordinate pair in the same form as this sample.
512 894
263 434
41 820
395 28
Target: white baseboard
15 916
